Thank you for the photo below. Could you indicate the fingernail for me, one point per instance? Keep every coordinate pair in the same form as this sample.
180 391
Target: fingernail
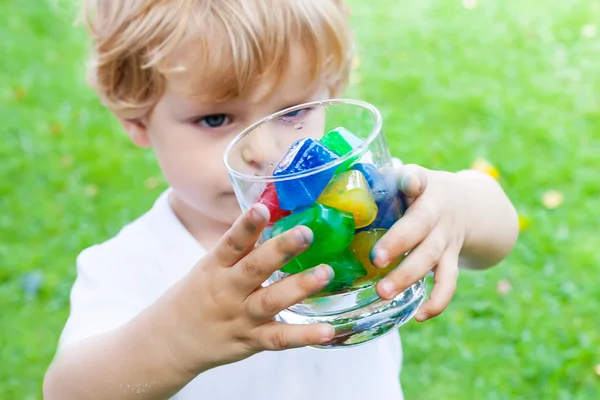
261 212
379 257
421 317
326 332
387 288
303 236
323 273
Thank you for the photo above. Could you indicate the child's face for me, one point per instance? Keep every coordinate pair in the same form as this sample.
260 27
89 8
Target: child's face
189 137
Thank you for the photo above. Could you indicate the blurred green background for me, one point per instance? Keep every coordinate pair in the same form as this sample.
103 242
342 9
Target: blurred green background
514 82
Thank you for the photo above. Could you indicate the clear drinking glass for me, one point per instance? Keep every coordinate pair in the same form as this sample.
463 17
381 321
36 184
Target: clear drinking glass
326 165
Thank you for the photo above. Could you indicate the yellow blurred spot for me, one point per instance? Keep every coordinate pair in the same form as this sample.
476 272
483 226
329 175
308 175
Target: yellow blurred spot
504 287
20 93
151 183
469 4
66 161
524 222
355 78
484 166
355 62
552 199
90 190
56 128
597 369
589 31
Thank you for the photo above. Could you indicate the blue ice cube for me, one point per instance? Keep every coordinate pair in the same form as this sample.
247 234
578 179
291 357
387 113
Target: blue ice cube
375 179
303 155
388 198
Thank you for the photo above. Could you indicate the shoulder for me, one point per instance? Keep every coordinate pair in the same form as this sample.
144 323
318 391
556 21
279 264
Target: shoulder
120 277
130 249
155 243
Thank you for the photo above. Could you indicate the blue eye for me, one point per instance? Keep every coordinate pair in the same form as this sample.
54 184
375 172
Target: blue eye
293 114
214 121
296 114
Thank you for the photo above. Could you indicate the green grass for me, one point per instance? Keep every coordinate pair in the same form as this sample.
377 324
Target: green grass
515 82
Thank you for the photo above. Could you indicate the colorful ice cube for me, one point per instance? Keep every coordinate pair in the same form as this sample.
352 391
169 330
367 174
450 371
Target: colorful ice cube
361 246
333 231
350 192
389 212
347 270
374 178
269 198
341 141
303 155
386 194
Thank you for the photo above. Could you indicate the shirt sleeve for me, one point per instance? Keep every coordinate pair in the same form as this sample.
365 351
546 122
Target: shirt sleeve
112 286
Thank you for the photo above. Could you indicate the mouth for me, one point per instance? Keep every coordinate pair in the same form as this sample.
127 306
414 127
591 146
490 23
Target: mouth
229 196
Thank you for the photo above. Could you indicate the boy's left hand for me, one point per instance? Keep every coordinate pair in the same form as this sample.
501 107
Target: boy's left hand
433 229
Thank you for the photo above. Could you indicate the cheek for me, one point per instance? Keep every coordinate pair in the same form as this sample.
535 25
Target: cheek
189 159
285 134
316 123
313 126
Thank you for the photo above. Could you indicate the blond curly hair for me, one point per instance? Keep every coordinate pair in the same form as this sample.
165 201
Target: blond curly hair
229 46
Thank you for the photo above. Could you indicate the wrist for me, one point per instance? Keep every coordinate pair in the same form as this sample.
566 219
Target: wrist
491 221
172 339
466 182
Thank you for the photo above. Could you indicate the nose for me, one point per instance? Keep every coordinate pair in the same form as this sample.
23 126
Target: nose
260 151
255 157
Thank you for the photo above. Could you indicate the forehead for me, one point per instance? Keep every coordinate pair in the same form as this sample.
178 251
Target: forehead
211 82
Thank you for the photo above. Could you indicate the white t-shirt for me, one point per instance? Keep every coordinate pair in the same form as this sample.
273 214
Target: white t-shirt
117 279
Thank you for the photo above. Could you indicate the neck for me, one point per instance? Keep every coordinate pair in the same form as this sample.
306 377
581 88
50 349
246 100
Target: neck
206 230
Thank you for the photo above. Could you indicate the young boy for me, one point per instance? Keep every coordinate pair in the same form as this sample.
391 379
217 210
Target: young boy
172 306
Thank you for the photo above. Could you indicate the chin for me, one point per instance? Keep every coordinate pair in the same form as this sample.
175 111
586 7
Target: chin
230 205
232 217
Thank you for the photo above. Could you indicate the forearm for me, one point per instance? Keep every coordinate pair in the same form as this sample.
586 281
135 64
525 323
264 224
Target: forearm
132 362
492 227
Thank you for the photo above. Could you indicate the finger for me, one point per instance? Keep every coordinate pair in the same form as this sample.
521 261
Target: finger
405 234
267 302
445 278
414 267
239 240
412 179
281 336
259 264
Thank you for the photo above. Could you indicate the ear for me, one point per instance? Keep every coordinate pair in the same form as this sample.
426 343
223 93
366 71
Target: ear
137 131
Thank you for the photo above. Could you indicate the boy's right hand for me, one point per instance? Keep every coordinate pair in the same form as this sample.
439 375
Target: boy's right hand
219 313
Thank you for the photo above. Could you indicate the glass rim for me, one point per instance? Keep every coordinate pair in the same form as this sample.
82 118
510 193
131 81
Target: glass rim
376 130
